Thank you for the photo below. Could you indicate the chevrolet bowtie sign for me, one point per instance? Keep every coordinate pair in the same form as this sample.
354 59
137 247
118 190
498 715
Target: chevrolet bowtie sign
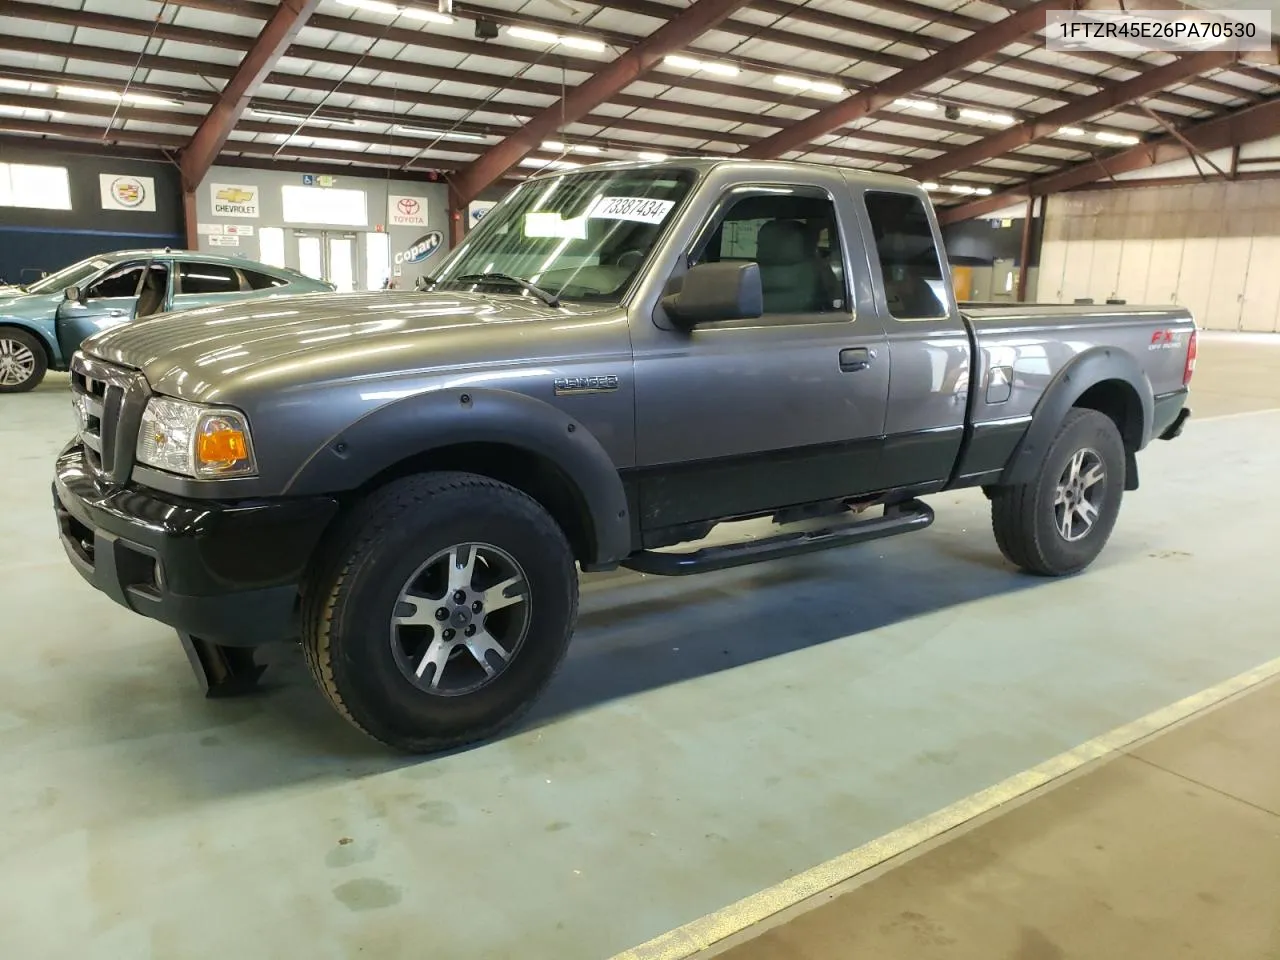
234 200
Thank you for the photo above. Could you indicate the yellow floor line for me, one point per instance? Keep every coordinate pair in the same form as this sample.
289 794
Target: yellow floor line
704 932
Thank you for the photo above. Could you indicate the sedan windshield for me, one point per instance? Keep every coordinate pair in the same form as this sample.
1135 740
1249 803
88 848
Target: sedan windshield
579 236
68 276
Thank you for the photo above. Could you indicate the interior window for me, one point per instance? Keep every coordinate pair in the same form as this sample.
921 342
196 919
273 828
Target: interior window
123 281
908 256
155 289
261 281
206 278
793 238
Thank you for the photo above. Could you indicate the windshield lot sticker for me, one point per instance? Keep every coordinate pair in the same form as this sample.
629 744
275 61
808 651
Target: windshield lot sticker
639 209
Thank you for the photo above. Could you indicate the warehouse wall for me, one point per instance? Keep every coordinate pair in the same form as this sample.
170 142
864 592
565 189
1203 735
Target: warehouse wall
34 241
266 187
1211 247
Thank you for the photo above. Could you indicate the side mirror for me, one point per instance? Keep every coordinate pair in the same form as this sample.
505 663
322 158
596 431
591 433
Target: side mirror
717 291
74 295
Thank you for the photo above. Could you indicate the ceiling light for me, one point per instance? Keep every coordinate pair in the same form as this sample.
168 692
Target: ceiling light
303 118
586 148
829 89
553 146
652 157
1071 131
138 99
308 140
411 13
439 134
549 164
929 185
706 66
143 100
983 116
926 105
983 191
32 113
542 36
682 63
814 86
1123 138
427 16
583 43
377 6
961 188
27 86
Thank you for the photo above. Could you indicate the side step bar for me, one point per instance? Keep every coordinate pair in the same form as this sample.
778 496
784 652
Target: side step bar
900 518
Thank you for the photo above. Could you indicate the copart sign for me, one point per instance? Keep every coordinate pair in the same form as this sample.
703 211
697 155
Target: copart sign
421 249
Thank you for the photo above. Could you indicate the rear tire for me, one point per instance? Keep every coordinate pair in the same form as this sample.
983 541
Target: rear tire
439 609
1058 523
23 362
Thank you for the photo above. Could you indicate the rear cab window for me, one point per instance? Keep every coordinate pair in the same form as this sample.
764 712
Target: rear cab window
915 286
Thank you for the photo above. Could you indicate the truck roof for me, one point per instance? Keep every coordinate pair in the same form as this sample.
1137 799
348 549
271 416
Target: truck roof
771 167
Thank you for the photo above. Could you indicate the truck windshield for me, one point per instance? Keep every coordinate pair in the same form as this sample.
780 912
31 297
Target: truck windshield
67 277
578 236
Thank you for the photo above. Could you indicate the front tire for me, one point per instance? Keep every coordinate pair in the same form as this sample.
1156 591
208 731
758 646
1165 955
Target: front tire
439 609
1058 523
23 362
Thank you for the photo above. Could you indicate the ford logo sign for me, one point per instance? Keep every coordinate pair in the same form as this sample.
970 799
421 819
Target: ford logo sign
422 248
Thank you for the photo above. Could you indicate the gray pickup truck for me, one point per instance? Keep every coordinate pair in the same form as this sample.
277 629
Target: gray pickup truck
619 358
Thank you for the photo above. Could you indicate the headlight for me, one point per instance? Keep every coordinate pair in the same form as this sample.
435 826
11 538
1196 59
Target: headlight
207 443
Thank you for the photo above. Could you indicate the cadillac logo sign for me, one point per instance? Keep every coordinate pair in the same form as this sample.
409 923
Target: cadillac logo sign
128 192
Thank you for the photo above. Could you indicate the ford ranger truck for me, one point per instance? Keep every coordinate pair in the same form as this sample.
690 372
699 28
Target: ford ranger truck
615 361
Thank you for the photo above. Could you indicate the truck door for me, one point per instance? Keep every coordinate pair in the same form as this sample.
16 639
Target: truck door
743 416
928 341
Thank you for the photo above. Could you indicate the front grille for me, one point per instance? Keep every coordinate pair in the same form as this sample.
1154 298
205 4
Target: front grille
109 401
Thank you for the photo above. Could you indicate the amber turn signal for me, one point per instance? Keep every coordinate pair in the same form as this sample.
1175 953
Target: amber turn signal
219 443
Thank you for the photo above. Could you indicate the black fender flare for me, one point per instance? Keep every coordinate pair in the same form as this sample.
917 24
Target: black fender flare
1087 369
436 419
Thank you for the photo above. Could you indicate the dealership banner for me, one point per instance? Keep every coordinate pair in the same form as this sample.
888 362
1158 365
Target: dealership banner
477 210
406 211
123 192
234 199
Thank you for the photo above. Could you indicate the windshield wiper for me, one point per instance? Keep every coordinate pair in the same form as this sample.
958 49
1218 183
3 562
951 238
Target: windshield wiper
550 299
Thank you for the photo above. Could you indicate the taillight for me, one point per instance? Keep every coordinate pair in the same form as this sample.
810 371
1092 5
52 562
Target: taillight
1190 368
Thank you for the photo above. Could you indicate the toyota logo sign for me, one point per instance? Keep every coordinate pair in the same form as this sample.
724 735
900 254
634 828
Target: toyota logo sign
408 206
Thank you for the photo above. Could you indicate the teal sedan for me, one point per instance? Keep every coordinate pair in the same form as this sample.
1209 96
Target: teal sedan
42 324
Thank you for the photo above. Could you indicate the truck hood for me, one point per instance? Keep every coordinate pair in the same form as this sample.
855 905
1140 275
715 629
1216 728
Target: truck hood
203 354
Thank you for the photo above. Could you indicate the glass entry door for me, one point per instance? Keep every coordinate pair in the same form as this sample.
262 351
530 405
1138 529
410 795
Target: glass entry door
328 255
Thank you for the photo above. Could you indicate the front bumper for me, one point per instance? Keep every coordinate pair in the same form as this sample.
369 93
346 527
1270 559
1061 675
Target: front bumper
227 573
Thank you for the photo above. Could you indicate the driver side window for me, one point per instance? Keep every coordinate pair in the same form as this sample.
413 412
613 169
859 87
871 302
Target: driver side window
792 236
123 281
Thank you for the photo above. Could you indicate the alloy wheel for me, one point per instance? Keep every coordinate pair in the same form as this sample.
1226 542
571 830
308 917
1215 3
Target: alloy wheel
17 363
460 619
1078 496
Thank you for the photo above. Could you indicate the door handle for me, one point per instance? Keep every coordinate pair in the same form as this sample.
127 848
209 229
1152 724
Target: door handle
853 359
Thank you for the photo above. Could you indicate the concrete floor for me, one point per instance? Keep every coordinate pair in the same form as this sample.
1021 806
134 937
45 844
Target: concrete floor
706 738
1171 850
